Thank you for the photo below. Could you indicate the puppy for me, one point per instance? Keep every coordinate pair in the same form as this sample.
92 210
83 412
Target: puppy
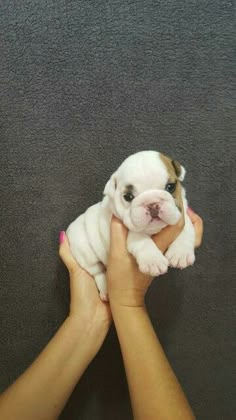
145 192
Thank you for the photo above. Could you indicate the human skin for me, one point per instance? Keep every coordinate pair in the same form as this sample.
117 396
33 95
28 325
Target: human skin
42 391
154 389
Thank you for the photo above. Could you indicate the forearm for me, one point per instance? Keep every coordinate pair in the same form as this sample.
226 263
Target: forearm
154 389
41 392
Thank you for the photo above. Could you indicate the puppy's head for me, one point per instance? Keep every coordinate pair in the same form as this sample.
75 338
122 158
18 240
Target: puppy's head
145 192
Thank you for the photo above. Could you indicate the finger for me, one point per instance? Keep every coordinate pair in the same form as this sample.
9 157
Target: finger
193 216
118 236
198 226
66 255
199 232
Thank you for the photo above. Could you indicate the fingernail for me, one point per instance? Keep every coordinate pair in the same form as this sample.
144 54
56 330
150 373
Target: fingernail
190 208
61 236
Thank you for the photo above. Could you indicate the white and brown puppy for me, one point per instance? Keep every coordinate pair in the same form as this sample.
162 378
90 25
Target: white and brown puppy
146 194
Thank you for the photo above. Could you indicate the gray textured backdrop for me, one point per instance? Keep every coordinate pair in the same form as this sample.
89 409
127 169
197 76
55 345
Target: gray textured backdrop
83 85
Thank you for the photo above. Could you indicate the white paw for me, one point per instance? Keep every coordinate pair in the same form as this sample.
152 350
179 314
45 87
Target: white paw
180 256
152 263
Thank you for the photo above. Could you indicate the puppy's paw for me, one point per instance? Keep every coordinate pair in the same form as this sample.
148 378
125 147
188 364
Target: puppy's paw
152 262
180 256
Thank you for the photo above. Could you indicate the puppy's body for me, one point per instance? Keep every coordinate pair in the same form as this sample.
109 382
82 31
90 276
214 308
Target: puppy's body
141 194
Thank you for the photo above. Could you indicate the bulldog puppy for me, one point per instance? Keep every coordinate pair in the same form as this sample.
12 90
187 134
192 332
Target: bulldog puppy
145 192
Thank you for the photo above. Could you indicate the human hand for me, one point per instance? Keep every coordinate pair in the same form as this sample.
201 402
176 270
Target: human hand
167 235
86 307
198 226
126 284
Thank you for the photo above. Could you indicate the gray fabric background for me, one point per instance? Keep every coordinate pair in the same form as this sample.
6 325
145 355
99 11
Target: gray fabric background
84 84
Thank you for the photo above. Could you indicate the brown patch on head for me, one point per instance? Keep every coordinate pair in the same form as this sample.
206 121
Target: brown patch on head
177 196
173 167
177 167
174 170
169 166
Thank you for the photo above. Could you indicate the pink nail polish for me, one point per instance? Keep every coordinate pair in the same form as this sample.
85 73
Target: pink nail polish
190 209
61 236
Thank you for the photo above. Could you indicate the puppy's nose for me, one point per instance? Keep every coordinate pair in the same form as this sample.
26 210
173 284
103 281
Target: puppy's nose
153 209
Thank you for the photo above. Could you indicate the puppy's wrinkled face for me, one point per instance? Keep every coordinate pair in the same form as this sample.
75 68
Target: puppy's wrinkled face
145 192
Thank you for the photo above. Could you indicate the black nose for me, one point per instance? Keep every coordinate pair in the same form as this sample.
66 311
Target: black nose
153 209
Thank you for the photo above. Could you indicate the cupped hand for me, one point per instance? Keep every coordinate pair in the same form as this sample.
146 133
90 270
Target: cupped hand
127 286
85 303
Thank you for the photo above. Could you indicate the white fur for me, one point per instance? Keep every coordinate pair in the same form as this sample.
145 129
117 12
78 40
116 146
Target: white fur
89 234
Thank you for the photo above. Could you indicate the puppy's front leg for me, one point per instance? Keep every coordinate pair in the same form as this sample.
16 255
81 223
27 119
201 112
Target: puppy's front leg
149 258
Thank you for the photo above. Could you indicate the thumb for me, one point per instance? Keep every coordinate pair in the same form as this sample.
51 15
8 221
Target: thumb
198 226
65 253
118 236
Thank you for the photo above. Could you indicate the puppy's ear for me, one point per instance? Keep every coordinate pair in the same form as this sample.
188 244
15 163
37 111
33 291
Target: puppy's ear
179 170
110 186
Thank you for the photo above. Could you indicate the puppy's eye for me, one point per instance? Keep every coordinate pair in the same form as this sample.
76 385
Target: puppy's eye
170 187
128 196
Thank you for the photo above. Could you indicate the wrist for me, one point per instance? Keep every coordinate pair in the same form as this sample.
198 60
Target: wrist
123 315
91 332
126 299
